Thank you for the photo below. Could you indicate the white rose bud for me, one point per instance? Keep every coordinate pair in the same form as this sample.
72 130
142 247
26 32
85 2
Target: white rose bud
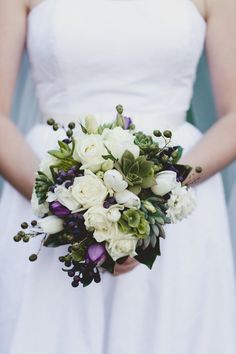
113 179
51 224
165 182
128 199
91 124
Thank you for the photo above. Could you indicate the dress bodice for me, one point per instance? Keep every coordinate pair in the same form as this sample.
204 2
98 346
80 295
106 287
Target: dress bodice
91 55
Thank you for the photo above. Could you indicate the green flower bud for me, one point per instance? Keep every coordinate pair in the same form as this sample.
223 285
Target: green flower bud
107 165
132 126
119 108
91 124
100 174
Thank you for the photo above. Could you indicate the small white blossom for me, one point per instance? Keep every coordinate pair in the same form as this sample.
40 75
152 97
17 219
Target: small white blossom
181 203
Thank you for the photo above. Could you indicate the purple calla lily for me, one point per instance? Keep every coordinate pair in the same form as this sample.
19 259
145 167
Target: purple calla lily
58 209
96 253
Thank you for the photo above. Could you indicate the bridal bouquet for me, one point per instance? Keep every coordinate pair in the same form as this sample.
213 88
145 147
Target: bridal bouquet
106 192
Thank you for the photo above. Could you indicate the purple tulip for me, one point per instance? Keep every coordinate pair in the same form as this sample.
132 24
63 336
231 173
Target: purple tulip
127 122
96 253
58 209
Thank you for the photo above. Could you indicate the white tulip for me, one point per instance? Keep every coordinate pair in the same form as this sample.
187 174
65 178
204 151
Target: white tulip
51 224
165 182
113 179
128 199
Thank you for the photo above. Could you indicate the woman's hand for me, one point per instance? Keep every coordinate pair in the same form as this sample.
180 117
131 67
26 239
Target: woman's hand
125 267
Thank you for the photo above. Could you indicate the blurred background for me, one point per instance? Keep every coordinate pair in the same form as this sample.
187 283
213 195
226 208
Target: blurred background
202 113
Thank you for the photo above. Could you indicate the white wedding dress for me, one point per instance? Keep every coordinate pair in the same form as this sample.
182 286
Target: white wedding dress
87 57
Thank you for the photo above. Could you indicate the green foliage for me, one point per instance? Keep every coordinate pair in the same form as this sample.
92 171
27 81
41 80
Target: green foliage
146 144
42 185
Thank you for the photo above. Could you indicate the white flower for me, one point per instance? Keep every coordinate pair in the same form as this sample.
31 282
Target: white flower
89 150
38 209
51 224
101 221
63 196
165 182
118 140
128 199
91 124
89 190
121 244
45 164
113 179
181 203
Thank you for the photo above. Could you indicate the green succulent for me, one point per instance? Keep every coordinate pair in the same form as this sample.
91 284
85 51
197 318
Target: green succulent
42 185
133 221
146 144
138 172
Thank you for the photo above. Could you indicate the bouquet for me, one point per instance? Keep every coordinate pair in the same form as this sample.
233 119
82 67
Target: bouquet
106 192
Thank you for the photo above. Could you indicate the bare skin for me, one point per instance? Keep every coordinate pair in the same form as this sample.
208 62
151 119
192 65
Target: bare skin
208 152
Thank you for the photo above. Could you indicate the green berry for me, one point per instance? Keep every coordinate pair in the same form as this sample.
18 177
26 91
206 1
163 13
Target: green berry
55 126
50 121
167 134
75 246
24 225
33 257
26 238
157 133
33 222
132 126
17 238
71 125
62 259
69 133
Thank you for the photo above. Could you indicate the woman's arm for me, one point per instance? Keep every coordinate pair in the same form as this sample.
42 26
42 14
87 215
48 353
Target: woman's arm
217 148
18 163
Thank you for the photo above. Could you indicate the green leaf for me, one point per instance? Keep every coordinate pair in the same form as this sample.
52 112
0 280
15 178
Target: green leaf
84 130
148 182
56 153
135 189
134 169
148 255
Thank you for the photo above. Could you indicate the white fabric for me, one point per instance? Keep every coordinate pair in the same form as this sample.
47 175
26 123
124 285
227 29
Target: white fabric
88 56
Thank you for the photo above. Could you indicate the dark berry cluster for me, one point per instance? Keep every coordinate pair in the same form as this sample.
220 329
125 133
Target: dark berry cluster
68 176
83 273
74 224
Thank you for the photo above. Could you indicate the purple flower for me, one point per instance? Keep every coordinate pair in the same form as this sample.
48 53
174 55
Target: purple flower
127 122
58 209
96 253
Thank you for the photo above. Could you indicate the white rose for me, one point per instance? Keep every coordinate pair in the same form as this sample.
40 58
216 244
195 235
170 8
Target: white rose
101 220
181 203
165 182
89 190
89 150
121 245
118 140
113 179
38 209
45 164
128 199
51 224
63 196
